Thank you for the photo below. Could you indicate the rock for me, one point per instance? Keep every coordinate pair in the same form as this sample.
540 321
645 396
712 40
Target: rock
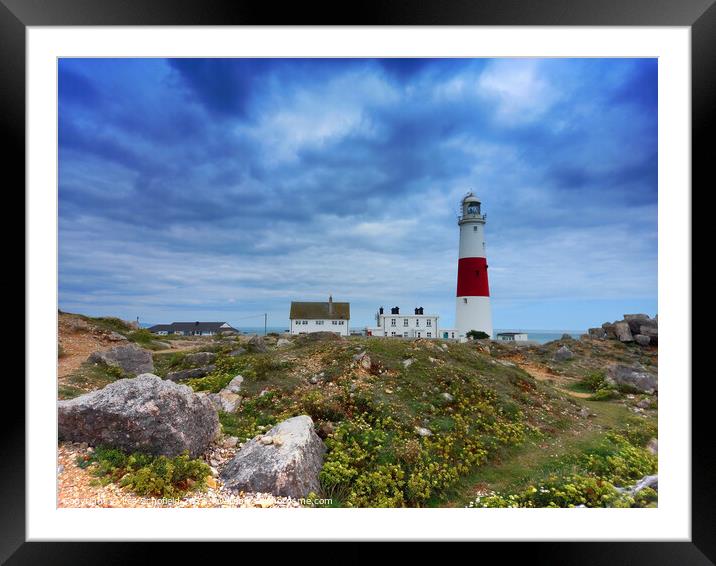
237 352
266 440
231 441
183 374
326 429
566 337
646 481
642 340
407 363
211 482
599 333
563 354
282 343
116 337
644 404
653 446
447 397
257 344
364 361
422 431
200 358
652 332
623 332
290 469
635 321
584 412
131 359
314 379
609 330
632 377
225 400
234 386
145 414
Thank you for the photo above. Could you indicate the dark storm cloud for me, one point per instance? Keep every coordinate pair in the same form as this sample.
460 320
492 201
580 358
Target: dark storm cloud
193 186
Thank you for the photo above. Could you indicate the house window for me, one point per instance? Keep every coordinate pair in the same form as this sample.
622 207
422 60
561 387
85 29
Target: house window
392 322
405 322
334 322
417 322
405 334
319 322
428 322
430 334
340 322
392 333
305 322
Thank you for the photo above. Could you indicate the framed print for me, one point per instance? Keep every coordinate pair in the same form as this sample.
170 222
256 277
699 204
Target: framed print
258 286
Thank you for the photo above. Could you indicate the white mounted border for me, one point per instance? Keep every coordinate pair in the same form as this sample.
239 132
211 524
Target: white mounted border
671 521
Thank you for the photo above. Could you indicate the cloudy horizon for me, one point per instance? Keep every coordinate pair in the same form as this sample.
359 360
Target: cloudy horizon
220 189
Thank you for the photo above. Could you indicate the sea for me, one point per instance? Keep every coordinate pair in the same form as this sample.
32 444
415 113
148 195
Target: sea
539 336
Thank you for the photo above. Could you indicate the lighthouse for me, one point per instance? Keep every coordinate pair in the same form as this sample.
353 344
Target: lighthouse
472 310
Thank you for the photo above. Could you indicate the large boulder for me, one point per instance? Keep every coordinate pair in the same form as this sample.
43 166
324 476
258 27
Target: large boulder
257 344
285 461
609 330
635 321
193 373
283 343
146 414
597 333
642 340
563 354
200 358
632 378
131 359
623 332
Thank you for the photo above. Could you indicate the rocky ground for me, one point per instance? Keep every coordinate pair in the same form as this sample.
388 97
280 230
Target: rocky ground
423 385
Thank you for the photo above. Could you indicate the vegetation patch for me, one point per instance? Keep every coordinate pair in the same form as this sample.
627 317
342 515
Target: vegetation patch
144 474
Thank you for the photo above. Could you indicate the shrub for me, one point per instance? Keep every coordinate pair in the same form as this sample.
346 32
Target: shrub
477 335
145 474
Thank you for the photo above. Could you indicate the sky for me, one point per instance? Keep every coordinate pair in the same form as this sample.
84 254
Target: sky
222 189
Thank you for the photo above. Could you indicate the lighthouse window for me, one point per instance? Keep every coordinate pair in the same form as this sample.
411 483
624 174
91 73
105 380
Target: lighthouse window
464 301
474 228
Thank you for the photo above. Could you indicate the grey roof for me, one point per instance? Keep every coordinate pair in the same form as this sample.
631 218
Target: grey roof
319 310
191 327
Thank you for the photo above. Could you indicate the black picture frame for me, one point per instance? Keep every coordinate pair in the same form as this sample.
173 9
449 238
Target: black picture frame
699 15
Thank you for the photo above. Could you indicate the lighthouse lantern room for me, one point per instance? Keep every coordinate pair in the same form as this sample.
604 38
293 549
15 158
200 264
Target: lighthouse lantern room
472 311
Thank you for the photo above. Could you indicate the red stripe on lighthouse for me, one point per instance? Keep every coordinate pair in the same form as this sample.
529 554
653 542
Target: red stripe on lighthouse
472 277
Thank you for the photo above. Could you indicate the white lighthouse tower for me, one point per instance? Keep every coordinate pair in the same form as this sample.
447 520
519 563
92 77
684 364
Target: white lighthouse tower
472 311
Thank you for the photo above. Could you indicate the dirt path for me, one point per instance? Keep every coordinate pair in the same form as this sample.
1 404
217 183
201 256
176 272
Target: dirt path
78 342
559 382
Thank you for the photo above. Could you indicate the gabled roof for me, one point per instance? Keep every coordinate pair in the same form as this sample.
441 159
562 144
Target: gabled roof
192 327
319 310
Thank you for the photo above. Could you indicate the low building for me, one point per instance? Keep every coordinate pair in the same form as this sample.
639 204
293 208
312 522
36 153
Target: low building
307 317
193 328
512 336
416 325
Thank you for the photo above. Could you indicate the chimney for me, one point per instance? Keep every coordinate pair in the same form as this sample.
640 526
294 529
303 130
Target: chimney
397 310
380 310
330 305
417 310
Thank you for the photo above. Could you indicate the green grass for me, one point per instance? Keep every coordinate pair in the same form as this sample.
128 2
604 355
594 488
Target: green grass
88 377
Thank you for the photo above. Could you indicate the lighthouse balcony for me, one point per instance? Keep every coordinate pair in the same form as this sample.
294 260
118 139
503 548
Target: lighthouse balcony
471 218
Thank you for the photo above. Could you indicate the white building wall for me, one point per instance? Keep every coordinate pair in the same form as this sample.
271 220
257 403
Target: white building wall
305 326
409 325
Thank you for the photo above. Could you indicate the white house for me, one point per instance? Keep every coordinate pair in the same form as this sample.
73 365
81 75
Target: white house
307 317
512 336
417 325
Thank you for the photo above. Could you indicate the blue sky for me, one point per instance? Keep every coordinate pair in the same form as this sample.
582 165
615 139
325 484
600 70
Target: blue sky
218 189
